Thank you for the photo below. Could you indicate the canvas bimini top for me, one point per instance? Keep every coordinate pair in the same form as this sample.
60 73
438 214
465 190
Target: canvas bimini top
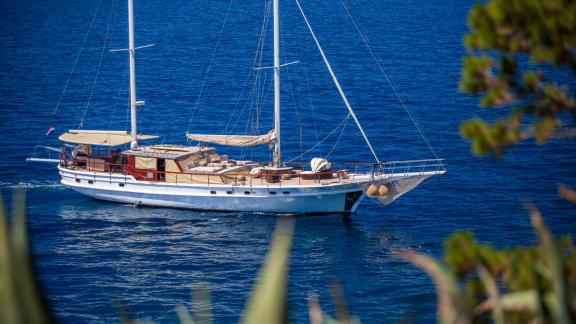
100 137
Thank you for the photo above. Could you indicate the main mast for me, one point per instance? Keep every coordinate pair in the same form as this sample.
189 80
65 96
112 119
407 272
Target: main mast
277 155
133 104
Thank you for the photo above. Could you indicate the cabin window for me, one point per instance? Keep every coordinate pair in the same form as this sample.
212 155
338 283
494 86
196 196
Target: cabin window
90 182
78 180
272 192
286 192
229 192
121 184
213 192
247 192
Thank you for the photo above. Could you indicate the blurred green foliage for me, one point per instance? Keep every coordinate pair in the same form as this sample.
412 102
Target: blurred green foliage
478 283
201 307
503 35
269 300
511 44
20 300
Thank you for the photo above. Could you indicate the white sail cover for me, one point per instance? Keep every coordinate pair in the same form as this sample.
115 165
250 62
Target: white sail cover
235 140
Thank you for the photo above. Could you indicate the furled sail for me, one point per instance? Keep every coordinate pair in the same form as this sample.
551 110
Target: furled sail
235 140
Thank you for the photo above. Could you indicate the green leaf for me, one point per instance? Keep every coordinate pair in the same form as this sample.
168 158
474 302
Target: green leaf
524 301
511 31
268 301
560 302
492 288
20 298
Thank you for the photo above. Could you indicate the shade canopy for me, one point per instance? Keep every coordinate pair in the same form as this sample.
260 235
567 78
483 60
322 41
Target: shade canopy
102 138
235 140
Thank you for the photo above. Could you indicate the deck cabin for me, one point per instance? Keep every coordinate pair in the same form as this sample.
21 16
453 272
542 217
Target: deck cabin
100 151
180 164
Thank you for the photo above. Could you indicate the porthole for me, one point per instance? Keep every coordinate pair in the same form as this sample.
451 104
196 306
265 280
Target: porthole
121 184
212 192
247 192
229 192
286 192
272 192
78 180
90 182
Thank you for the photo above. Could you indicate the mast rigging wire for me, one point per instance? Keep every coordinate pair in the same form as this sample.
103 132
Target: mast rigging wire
257 58
77 58
338 140
365 40
338 83
255 97
322 141
209 66
106 41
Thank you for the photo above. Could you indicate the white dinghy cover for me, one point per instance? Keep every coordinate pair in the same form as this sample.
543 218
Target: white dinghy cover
320 165
235 140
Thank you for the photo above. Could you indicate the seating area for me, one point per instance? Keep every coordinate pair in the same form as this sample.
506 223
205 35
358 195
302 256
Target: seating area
203 165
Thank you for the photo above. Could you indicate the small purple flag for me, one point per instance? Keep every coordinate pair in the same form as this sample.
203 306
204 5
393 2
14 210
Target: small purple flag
50 130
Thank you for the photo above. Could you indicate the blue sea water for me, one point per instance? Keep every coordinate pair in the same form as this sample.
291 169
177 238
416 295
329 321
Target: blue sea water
89 252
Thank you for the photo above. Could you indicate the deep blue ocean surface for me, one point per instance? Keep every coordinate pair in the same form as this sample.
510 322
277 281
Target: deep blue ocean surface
89 252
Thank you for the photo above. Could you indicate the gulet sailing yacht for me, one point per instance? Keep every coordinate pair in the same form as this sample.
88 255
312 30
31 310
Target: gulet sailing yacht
94 164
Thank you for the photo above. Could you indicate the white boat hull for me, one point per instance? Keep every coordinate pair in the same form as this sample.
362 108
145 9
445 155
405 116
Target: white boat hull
256 198
266 198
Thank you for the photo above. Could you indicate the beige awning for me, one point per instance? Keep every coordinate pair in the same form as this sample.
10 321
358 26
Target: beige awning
145 163
102 138
235 140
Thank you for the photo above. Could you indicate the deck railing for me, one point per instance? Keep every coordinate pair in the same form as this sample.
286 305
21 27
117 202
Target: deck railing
413 166
102 164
